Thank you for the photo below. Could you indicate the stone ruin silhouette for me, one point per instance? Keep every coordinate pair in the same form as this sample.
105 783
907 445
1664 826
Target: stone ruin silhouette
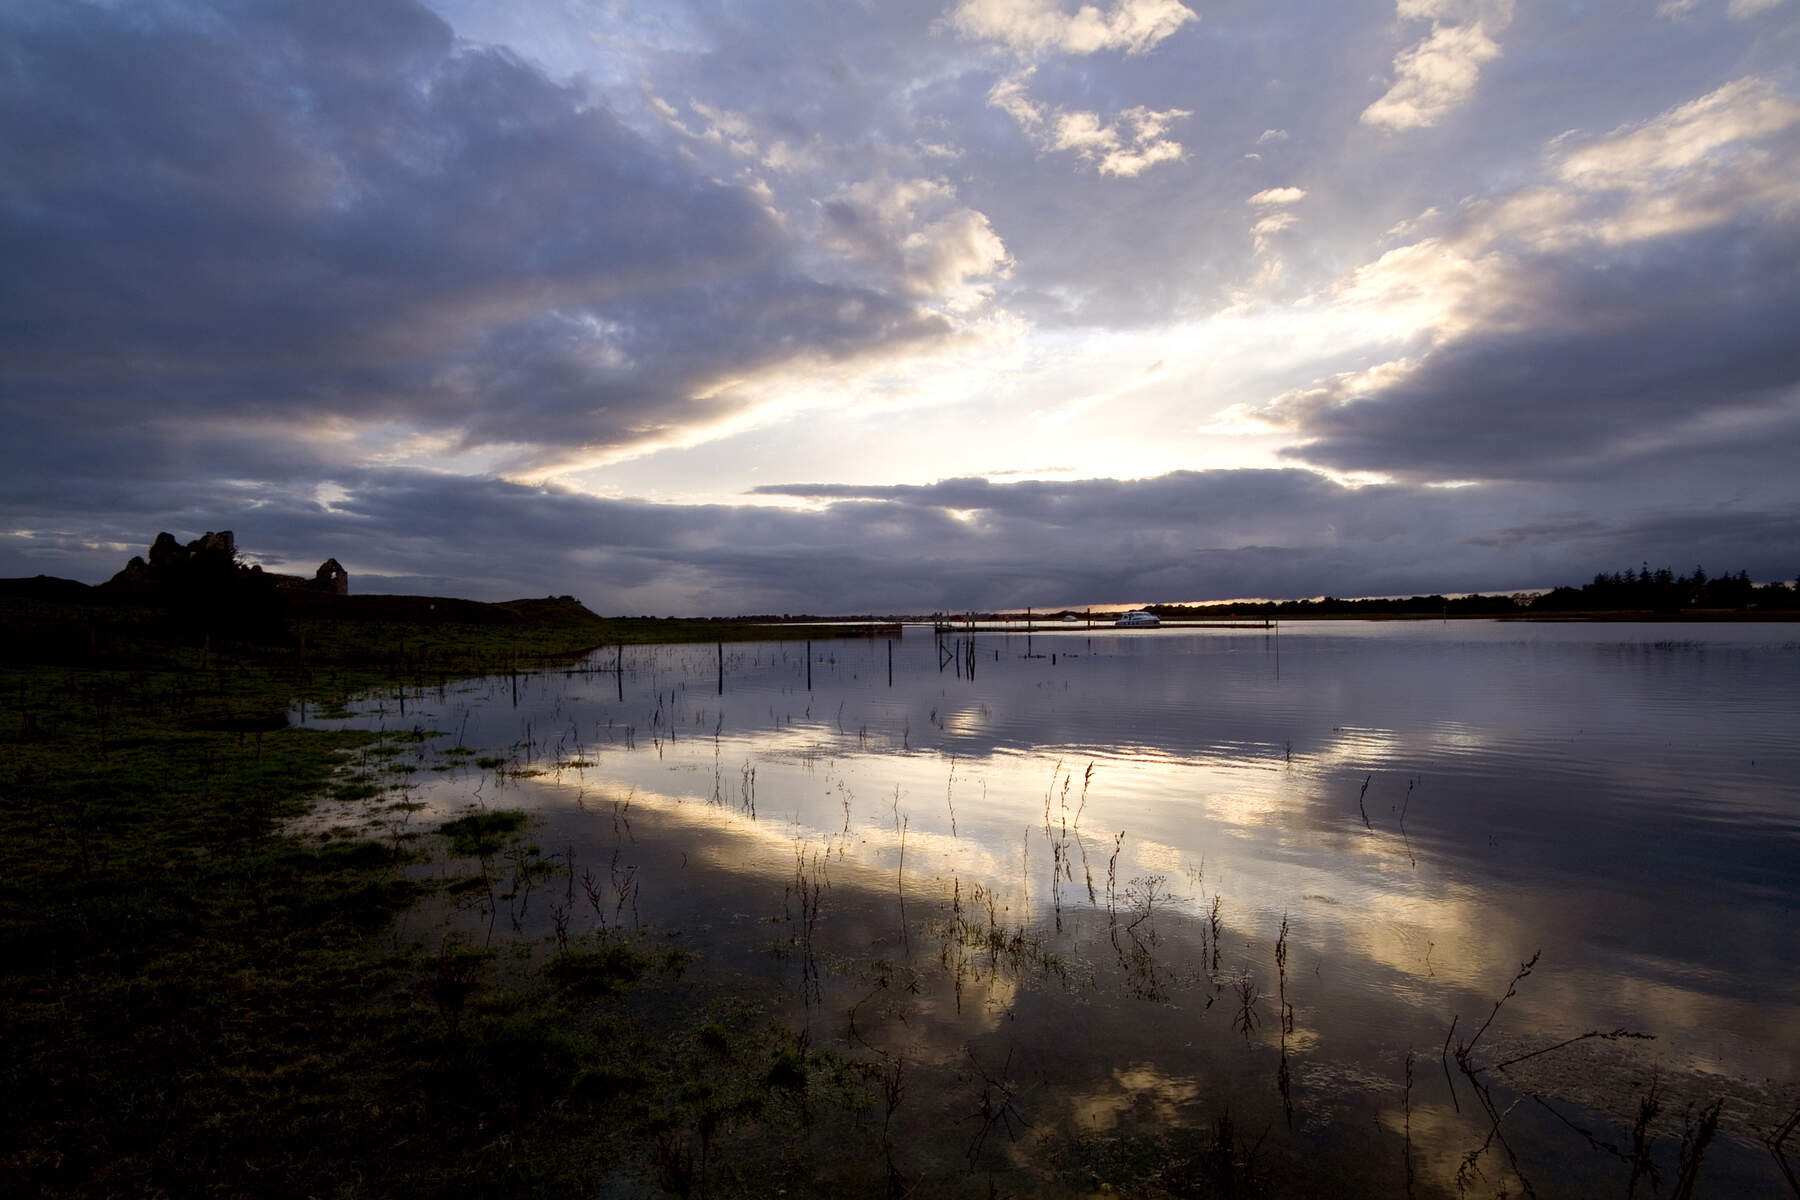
211 560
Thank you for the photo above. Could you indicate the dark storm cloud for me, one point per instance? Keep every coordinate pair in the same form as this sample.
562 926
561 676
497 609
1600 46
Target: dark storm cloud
955 545
1730 536
1187 536
1722 538
1013 544
333 208
1601 360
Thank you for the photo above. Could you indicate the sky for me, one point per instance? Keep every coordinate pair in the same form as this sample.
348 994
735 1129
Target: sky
740 307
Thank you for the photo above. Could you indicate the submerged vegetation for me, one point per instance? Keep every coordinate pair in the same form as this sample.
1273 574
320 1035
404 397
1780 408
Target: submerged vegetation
197 1002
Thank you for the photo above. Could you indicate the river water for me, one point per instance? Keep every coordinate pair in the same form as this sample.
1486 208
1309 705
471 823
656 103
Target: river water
1129 881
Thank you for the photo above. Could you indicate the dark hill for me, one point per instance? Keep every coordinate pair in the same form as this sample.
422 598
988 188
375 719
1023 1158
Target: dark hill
45 587
436 610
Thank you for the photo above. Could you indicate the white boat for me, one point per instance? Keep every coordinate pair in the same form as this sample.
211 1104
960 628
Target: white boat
1138 620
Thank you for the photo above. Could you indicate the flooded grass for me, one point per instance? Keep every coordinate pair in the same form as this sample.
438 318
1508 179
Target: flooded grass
197 1002
551 956
481 834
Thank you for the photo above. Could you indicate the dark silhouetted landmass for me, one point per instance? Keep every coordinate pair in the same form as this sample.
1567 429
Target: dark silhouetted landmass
203 593
1623 594
203 596
1663 591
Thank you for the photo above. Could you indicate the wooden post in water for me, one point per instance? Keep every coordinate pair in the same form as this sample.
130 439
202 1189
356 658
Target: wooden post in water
619 668
721 668
809 666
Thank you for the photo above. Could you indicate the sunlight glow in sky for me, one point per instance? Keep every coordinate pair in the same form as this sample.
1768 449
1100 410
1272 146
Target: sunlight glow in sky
706 307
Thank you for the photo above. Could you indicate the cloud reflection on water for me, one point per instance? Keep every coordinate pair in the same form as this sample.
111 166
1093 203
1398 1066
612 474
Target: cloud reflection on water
1551 782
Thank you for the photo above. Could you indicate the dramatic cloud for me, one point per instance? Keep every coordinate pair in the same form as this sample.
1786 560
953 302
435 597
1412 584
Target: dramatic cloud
1705 138
927 242
545 297
1642 301
333 208
1600 381
948 545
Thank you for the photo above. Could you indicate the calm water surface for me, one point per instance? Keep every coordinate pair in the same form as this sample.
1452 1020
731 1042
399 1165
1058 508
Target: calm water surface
1136 814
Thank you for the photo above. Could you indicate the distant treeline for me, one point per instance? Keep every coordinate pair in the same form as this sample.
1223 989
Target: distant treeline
1664 591
1660 591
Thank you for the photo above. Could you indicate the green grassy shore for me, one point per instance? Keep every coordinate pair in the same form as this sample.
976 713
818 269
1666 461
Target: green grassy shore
196 1003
